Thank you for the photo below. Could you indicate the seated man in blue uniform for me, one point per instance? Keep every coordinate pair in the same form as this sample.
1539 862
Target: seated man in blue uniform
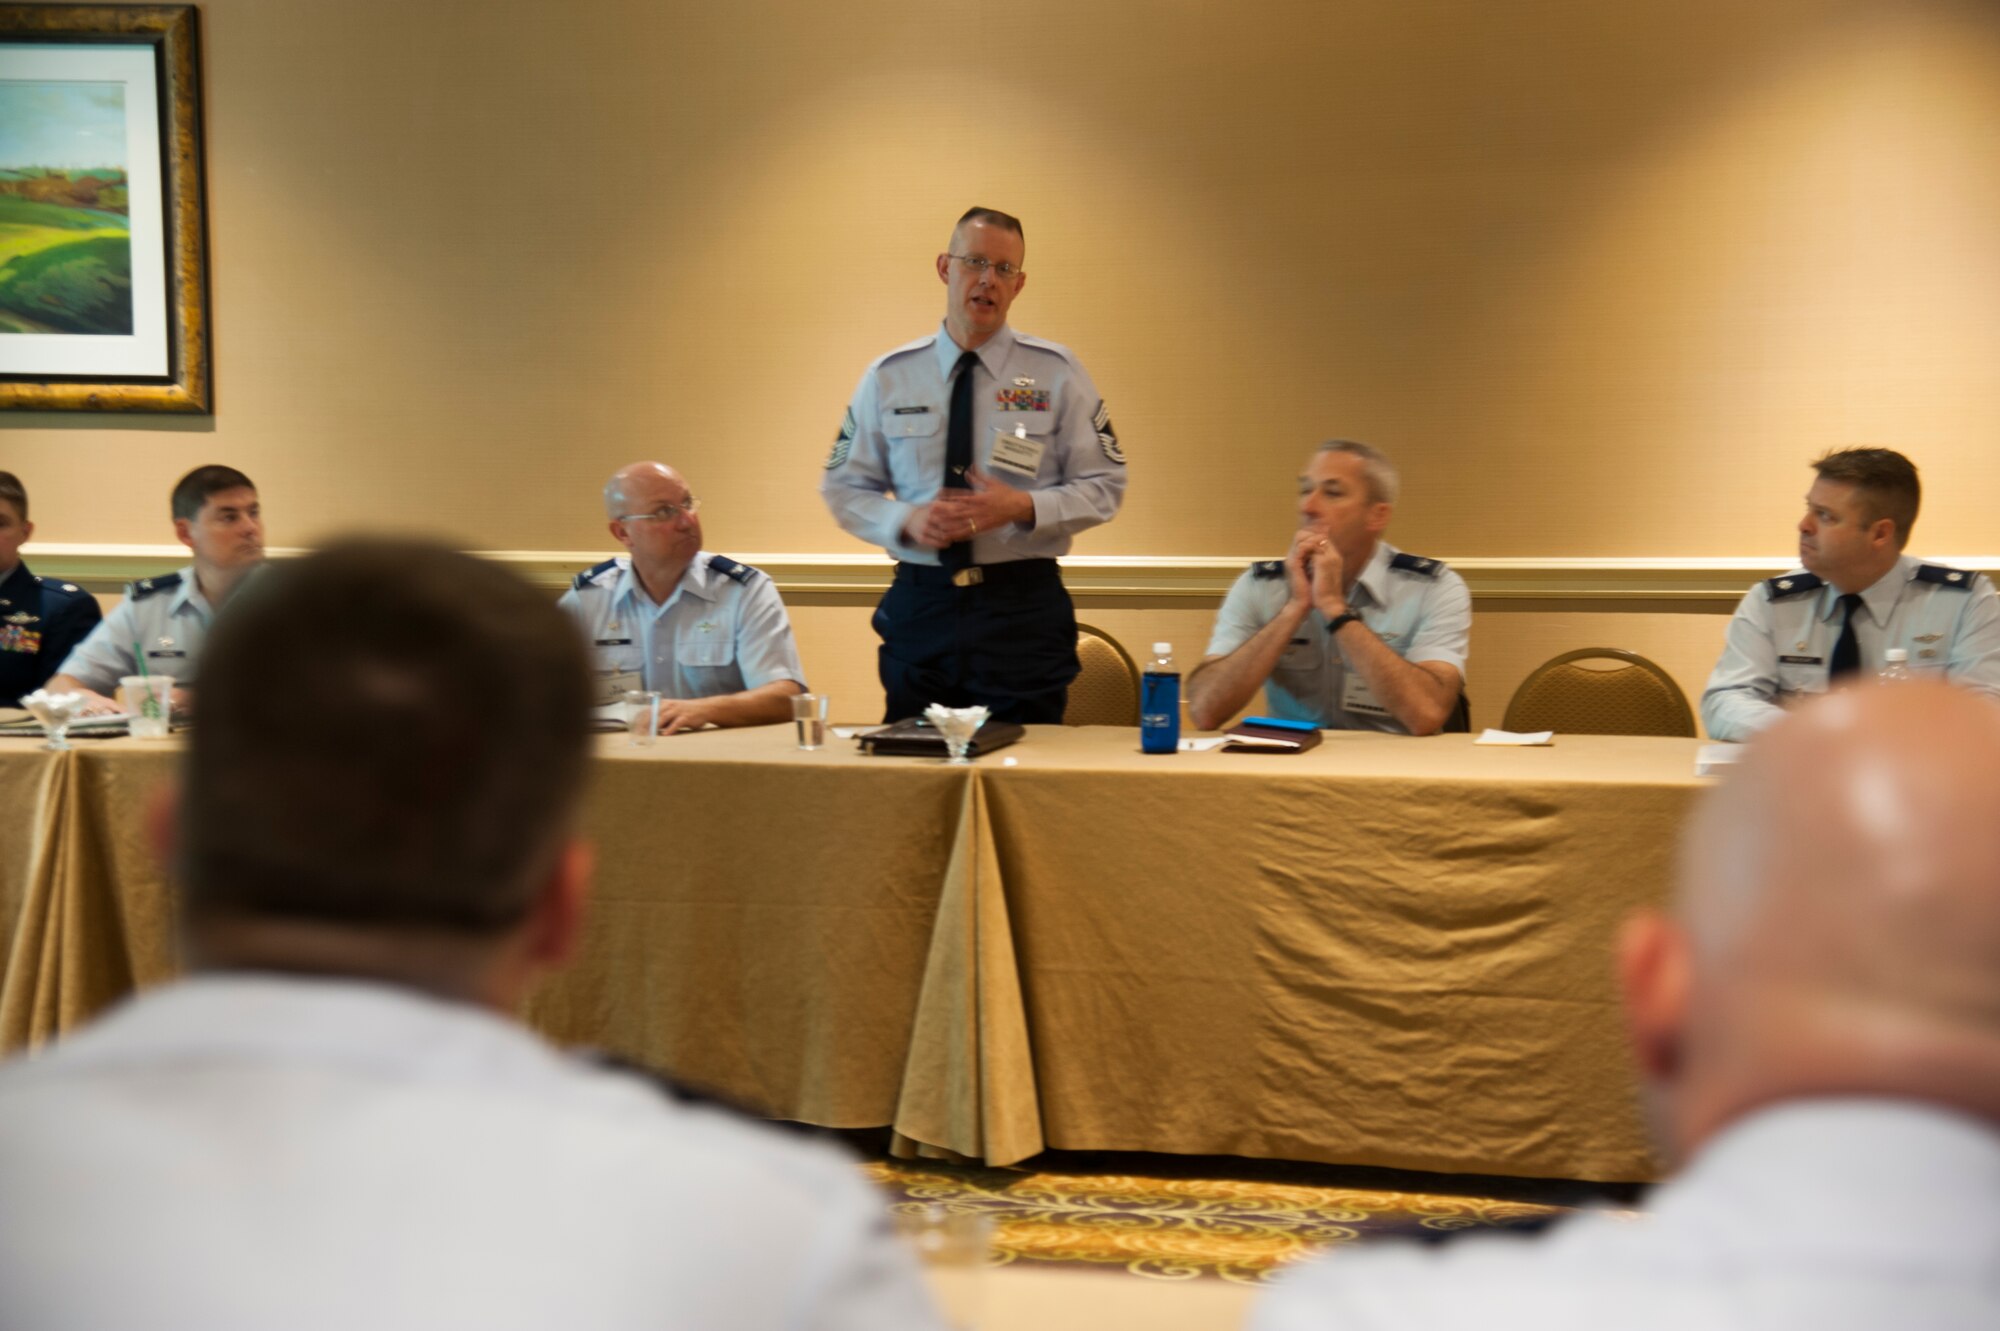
973 456
40 622
217 516
1857 596
1345 631
707 633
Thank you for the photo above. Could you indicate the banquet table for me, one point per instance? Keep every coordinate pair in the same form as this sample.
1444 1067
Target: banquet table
1384 951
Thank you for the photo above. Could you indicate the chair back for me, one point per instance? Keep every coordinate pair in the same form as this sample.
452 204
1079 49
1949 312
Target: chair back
1106 691
1632 697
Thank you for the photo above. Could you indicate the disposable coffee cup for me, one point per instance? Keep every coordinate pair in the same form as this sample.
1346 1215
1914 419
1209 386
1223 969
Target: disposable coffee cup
149 700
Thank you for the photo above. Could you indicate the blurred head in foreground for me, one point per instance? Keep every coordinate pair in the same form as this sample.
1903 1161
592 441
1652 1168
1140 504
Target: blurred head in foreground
1838 926
393 798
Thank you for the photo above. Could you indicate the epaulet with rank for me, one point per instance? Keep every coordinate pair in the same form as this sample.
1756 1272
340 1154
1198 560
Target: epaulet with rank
730 569
1417 564
144 587
1043 344
593 573
1793 584
914 344
1268 568
1948 577
69 587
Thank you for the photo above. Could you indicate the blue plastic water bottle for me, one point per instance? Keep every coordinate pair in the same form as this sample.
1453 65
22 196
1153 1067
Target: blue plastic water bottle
1160 703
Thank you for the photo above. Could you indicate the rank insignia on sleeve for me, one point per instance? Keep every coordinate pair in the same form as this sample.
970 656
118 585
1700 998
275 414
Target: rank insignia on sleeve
1107 438
843 443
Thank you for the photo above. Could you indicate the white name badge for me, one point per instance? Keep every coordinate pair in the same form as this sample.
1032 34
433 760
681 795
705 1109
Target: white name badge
1015 453
613 685
1355 697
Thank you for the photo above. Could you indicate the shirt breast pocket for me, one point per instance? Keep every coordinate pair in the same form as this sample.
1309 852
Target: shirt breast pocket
1798 681
713 650
910 422
1301 661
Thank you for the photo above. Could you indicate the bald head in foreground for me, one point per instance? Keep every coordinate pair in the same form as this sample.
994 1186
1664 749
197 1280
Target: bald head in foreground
1819 1028
334 1121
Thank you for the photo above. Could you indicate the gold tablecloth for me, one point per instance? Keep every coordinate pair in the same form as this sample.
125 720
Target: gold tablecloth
1385 951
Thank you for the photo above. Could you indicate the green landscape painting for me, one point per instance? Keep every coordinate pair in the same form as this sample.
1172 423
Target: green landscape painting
65 220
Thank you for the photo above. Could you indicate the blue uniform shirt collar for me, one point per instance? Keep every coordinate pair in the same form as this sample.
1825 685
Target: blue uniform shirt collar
1880 598
992 353
1374 576
698 580
189 594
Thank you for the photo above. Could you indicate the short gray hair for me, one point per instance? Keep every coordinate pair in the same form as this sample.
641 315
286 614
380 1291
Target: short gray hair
1383 482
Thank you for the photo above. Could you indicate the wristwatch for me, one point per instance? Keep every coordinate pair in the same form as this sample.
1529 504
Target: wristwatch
1339 622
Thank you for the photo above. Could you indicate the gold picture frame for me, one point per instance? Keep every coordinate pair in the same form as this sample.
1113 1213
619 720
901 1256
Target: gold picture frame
84 324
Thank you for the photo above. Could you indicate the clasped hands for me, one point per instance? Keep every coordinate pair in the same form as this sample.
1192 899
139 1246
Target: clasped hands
1316 574
960 515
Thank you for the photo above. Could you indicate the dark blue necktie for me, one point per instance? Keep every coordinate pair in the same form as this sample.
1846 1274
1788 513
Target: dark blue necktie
1847 648
958 451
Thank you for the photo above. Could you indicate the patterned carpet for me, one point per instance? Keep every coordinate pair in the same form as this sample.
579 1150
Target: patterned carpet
1174 1218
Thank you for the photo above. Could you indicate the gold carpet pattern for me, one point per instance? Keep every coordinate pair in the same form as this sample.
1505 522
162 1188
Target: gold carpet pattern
1180 1228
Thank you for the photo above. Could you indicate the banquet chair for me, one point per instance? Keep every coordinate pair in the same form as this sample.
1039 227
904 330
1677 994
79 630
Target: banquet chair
1106 691
1633 696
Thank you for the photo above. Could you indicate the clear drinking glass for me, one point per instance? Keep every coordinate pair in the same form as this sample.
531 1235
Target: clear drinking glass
958 725
809 714
642 716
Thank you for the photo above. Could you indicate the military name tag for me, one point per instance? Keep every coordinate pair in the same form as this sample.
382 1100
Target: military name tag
1802 660
1016 453
1355 696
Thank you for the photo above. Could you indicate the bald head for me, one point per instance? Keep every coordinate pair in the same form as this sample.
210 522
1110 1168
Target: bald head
1841 899
635 484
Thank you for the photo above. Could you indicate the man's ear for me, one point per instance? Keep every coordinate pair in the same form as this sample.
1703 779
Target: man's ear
1377 520
1653 967
556 930
184 532
1882 533
944 269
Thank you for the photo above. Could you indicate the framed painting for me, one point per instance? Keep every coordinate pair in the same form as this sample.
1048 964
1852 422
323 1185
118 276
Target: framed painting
103 253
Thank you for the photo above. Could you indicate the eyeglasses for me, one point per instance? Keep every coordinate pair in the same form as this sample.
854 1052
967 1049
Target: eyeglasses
666 512
980 267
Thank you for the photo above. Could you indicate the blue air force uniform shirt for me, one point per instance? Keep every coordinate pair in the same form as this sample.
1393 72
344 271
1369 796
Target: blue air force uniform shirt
722 630
1420 608
167 617
1780 642
1037 425
41 622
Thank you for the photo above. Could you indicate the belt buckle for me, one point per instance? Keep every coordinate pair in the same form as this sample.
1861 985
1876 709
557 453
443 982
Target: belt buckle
970 576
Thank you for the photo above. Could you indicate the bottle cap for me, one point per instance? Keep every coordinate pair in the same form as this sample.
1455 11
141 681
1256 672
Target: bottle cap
1163 649
1895 654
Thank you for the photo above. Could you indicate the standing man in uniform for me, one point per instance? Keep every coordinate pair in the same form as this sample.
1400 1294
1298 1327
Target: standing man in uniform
707 633
973 456
1857 596
1346 631
217 516
40 622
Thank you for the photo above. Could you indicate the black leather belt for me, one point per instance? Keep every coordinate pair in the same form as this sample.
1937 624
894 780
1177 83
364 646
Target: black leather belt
1014 571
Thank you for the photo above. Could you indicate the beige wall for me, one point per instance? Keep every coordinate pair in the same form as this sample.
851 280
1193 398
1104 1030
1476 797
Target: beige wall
1602 276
